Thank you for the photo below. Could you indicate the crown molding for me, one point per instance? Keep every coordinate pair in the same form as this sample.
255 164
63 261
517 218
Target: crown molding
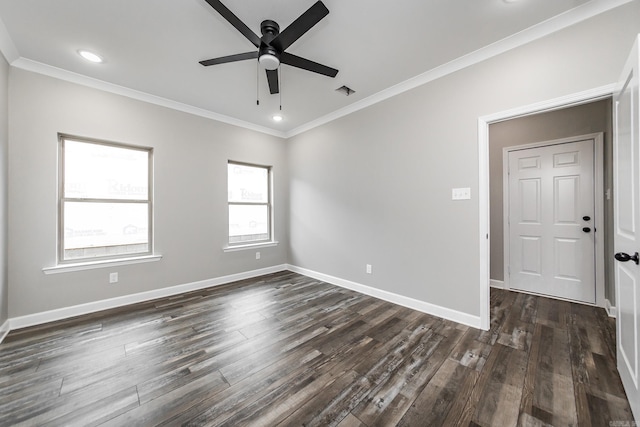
545 28
538 31
69 76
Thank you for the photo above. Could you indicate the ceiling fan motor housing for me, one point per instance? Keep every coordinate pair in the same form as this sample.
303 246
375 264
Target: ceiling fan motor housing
269 30
268 56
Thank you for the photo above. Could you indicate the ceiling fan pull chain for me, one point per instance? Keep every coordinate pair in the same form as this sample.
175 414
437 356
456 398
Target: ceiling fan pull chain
280 91
257 83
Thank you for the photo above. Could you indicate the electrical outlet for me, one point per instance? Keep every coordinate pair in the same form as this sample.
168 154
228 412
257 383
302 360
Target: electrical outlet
257 255
113 277
368 268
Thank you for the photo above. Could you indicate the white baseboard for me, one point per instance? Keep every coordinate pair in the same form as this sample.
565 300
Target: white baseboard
611 309
4 330
92 307
425 307
496 283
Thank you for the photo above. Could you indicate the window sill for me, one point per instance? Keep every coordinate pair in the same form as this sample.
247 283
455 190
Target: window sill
235 248
90 265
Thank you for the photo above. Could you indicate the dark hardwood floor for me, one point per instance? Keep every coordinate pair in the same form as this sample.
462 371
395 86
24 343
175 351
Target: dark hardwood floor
288 350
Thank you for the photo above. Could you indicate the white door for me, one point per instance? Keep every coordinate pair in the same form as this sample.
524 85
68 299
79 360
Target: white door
551 220
627 226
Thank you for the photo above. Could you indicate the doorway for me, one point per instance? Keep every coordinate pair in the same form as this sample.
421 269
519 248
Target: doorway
562 123
527 125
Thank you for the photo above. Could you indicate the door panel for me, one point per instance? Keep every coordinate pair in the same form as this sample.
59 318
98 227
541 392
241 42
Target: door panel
565 159
529 212
529 163
531 255
626 217
566 197
567 259
628 315
551 189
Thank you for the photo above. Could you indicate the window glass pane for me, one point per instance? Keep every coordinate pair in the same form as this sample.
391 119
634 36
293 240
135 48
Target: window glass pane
248 223
248 184
98 171
105 229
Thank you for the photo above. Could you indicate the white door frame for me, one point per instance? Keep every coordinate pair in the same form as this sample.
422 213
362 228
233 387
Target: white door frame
483 174
598 181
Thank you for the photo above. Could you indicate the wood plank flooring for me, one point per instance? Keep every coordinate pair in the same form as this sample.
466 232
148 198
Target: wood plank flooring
287 350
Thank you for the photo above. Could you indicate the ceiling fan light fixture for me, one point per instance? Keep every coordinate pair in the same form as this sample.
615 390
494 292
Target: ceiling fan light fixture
269 61
277 118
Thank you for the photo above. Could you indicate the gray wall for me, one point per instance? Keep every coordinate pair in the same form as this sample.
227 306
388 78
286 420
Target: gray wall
375 186
190 158
4 142
580 120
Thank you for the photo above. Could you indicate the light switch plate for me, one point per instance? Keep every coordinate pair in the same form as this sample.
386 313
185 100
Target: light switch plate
461 193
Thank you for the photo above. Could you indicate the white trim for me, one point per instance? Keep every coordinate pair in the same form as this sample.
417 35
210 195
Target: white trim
506 231
569 100
498 284
598 205
69 76
67 268
483 190
611 309
92 307
4 330
95 306
538 31
236 248
414 304
484 230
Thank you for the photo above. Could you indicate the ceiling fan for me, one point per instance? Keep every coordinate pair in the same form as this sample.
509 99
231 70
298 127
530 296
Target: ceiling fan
273 43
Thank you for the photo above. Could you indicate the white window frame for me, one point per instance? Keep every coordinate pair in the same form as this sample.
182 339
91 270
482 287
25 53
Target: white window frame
102 260
269 241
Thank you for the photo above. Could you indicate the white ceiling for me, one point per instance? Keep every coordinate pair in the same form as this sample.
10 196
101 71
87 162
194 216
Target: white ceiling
153 47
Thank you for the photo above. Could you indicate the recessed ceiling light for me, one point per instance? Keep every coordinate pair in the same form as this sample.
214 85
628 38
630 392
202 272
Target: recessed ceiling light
277 118
90 56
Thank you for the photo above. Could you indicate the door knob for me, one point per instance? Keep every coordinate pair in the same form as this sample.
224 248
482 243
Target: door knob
586 229
586 218
624 257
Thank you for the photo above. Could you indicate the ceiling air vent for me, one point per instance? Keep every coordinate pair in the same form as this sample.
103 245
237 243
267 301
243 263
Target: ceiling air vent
345 90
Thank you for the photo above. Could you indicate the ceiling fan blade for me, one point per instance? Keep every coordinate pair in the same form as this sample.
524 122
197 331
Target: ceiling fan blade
235 21
304 23
272 78
305 64
230 58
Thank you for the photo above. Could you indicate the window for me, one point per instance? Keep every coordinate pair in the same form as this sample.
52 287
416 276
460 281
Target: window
249 203
105 200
